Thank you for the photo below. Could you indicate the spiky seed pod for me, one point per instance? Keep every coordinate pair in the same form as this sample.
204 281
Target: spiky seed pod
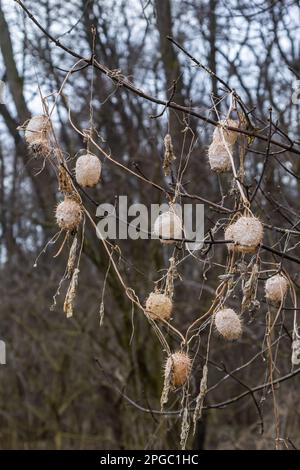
68 214
88 170
228 234
159 306
36 134
218 157
276 288
37 129
247 233
228 324
168 226
180 365
229 136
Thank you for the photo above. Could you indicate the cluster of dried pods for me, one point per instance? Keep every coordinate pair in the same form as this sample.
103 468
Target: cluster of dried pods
87 171
243 235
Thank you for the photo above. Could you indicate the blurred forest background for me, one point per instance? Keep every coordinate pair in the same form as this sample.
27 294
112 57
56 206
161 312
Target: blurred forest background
53 394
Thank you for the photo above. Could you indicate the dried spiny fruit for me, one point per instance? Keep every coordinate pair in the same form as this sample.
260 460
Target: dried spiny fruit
68 214
230 137
36 134
247 234
37 129
168 227
180 365
228 324
159 306
276 288
88 170
218 157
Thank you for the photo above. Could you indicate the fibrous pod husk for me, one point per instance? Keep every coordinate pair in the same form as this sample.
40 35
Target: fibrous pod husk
37 133
218 157
159 306
88 170
276 288
179 365
247 234
228 324
68 214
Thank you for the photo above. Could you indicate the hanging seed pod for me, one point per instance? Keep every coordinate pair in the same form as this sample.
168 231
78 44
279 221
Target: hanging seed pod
179 364
36 134
168 226
247 233
68 214
218 157
88 170
228 324
228 234
229 136
159 306
276 288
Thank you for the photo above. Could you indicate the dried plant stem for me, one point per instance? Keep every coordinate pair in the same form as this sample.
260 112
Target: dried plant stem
132 295
272 367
